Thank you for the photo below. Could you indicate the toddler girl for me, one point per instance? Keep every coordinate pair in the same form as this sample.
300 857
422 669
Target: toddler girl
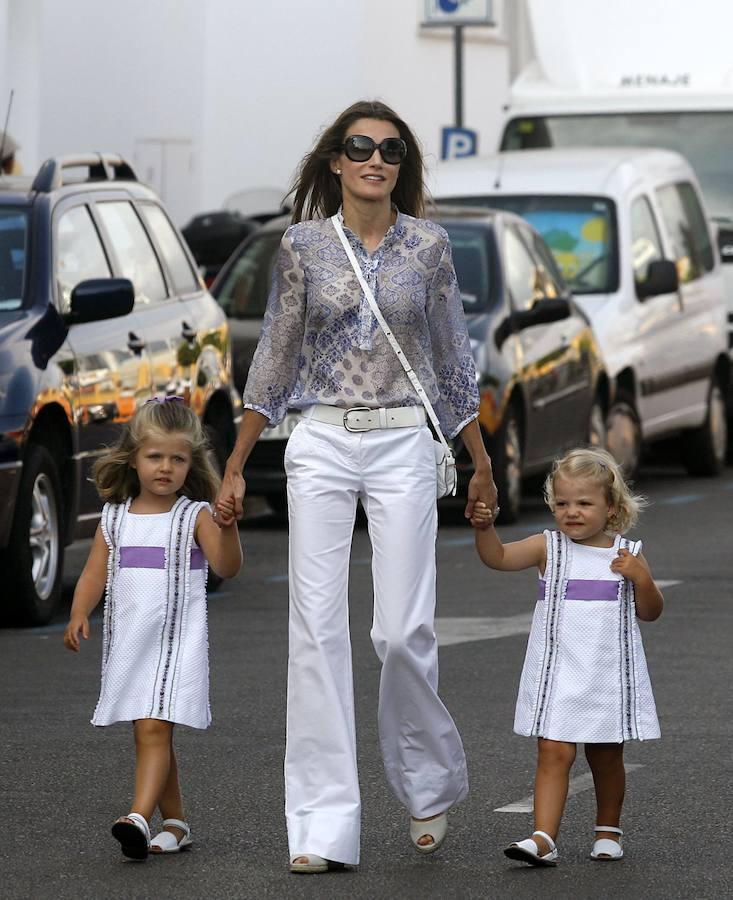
150 551
585 678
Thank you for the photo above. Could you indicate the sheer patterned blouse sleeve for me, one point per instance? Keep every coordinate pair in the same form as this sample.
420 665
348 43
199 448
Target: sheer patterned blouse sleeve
273 375
453 363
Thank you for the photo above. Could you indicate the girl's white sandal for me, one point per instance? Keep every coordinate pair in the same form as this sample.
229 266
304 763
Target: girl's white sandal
315 864
528 851
167 842
436 828
133 834
605 849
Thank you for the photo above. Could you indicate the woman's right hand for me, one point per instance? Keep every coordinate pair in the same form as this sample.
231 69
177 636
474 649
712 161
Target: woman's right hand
76 624
232 491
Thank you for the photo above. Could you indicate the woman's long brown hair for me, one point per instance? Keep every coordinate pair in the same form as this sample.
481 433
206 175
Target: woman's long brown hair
317 191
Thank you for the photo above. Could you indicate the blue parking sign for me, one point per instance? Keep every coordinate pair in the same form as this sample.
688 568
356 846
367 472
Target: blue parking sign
458 142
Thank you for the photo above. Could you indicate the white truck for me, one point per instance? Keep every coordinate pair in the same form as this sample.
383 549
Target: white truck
657 73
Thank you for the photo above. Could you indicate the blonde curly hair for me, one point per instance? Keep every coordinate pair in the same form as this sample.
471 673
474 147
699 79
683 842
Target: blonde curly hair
600 467
115 478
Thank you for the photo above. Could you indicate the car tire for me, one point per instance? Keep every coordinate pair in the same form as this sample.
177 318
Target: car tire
597 433
623 434
219 452
506 461
704 448
33 561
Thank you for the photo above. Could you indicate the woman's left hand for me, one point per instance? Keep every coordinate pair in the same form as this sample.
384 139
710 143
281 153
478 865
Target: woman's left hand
481 487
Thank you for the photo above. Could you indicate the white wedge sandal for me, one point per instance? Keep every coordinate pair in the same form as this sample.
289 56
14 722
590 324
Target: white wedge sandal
435 828
314 865
167 842
606 849
528 851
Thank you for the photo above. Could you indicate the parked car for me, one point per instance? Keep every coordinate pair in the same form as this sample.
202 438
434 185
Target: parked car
629 231
101 308
542 385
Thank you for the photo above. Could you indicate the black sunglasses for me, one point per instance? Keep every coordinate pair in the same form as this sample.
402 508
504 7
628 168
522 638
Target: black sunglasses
360 148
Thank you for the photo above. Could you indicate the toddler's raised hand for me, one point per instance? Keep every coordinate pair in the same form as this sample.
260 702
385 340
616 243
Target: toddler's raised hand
630 566
225 512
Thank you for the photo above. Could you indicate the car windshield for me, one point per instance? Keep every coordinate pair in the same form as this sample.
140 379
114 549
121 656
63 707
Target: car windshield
704 138
13 236
243 289
580 231
471 262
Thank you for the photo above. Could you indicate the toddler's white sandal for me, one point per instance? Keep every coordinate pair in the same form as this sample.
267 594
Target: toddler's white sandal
167 842
436 828
133 834
315 864
605 849
528 851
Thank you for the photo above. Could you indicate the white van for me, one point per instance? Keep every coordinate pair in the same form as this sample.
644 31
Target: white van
629 74
630 234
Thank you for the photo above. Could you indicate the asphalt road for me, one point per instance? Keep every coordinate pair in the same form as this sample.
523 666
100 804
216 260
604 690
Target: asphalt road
64 782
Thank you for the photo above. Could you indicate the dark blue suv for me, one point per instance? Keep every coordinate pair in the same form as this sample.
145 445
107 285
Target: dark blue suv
101 307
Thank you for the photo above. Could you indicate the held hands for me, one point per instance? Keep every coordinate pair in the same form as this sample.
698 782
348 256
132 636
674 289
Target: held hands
481 489
76 624
634 568
483 517
229 500
224 512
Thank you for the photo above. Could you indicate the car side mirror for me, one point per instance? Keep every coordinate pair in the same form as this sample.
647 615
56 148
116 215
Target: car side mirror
542 313
101 298
725 244
661 278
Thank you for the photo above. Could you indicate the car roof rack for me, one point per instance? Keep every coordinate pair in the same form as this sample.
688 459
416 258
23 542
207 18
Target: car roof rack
102 167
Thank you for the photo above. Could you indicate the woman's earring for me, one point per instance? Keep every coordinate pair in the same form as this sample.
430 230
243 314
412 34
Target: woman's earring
338 171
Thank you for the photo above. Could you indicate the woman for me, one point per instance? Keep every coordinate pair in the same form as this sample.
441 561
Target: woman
322 351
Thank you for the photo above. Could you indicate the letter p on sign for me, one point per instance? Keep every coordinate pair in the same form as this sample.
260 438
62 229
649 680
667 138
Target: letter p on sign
458 142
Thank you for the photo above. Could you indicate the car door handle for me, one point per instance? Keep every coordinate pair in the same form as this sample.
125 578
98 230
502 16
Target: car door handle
136 344
188 333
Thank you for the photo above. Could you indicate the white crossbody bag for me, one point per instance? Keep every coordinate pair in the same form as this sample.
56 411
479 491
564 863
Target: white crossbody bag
445 462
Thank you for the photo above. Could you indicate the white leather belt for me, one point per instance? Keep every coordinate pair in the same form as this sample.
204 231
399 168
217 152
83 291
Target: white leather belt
364 418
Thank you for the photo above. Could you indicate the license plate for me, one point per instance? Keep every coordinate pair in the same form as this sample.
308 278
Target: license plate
282 431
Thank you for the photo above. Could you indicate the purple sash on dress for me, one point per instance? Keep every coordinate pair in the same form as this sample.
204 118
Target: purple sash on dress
153 558
585 589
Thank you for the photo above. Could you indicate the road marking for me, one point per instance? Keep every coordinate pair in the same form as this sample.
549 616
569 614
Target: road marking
454 630
661 583
577 786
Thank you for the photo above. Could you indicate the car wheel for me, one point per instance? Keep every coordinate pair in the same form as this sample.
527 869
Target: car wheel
507 465
33 561
219 452
623 435
704 448
597 431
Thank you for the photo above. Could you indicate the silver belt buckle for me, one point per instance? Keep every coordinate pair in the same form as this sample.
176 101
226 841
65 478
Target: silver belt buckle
365 409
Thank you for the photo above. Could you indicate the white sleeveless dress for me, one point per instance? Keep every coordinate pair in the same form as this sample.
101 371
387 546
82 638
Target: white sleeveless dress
585 677
155 661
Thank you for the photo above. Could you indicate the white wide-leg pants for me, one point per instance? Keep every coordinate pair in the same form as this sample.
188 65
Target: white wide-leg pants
393 472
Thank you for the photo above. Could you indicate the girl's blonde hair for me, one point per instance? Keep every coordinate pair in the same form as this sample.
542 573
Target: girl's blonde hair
117 480
600 467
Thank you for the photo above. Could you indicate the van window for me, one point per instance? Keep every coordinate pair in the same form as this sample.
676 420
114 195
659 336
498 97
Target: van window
687 232
523 277
133 250
580 232
184 280
704 138
79 253
646 245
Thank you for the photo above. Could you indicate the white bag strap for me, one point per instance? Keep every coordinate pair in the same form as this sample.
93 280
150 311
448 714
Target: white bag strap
388 333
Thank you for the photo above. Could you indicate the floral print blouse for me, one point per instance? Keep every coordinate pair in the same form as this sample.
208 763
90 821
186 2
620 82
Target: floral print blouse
320 342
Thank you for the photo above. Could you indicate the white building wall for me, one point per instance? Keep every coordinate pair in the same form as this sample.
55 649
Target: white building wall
211 97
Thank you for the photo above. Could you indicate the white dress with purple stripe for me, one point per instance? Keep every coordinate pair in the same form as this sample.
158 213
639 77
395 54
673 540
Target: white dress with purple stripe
585 677
155 662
